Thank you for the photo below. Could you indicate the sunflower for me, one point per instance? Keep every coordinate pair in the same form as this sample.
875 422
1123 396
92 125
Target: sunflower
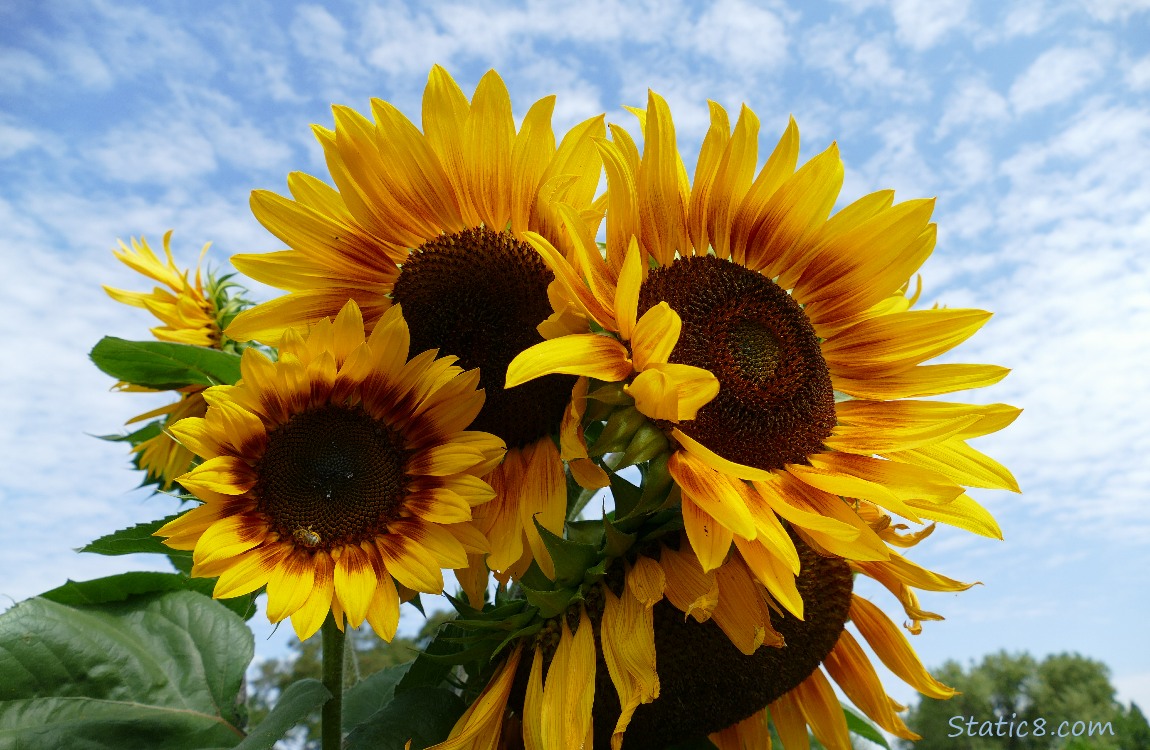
333 471
595 679
437 220
191 315
775 346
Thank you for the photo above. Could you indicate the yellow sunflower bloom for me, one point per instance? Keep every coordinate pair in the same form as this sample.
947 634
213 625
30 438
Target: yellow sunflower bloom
334 470
189 316
437 220
775 346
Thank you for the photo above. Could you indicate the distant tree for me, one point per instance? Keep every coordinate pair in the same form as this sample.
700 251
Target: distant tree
1013 701
365 654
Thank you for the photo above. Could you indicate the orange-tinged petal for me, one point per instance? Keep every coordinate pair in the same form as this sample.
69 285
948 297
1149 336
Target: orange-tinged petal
585 354
571 282
893 649
823 712
443 460
773 573
852 670
530 155
489 137
892 344
742 611
848 485
790 723
721 496
710 539
752 733
691 589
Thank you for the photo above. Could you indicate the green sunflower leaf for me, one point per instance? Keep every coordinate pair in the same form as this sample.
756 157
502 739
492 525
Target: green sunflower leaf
429 669
370 694
293 707
424 715
164 365
862 726
159 670
139 539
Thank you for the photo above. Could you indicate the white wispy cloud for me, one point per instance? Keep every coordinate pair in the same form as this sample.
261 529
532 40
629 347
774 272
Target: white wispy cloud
1057 75
921 24
972 103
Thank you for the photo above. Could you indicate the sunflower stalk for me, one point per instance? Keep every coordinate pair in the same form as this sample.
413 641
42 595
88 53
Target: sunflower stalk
332 714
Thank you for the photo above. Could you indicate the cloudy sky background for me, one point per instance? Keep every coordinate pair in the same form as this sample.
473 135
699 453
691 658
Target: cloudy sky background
1029 122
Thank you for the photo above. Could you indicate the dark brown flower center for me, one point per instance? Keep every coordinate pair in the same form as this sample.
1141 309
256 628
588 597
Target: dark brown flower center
479 294
776 403
331 476
706 684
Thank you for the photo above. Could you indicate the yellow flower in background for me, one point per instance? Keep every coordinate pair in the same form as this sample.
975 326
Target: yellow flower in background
436 220
334 470
802 319
190 315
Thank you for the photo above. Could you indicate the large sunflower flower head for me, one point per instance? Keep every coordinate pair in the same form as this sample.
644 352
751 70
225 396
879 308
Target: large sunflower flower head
334 472
436 220
773 355
192 312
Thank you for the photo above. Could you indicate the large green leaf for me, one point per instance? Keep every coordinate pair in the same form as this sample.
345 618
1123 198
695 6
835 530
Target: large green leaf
139 538
423 715
122 586
160 670
293 707
371 694
164 365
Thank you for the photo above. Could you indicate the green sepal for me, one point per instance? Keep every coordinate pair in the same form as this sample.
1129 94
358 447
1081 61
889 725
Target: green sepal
617 433
147 432
586 532
571 559
628 497
615 542
647 442
370 694
164 365
612 394
428 670
552 603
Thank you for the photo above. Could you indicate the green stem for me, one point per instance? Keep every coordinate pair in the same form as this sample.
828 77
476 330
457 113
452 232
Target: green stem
332 716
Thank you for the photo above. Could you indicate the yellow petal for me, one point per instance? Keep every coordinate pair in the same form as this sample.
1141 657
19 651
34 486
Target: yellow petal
822 711
355 582
569 689
710 539
962 513
655 336
627 291
691 589
673 391
289 585
587 354
226 475
533 705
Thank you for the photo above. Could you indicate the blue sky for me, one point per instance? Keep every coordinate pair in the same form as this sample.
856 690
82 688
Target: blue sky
1029 121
